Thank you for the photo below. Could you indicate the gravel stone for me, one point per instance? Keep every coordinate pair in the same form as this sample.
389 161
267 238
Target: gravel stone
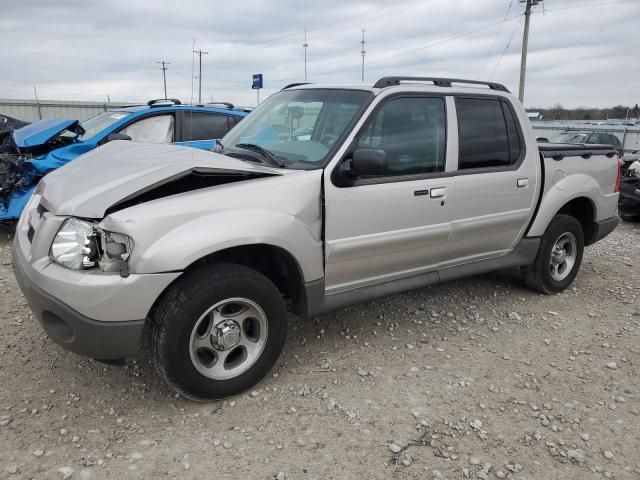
576 455
6 420
395 448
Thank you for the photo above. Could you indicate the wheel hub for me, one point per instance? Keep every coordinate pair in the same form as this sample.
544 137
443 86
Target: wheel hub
225 335
559 255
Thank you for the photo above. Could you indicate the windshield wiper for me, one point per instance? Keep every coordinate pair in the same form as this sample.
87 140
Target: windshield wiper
263 152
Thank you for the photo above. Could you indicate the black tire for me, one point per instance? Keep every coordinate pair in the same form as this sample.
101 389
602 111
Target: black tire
176 314
538 275
629 218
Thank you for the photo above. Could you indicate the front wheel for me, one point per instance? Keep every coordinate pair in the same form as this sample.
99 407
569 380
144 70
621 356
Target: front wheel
218 331
559 256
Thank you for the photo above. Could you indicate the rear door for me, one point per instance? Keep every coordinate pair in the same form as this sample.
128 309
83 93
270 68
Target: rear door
380 228
495 181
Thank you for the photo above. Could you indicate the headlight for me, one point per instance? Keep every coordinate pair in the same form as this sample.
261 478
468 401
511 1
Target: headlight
75 245
82 245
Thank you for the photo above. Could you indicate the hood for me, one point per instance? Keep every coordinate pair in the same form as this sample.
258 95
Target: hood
123 173
39 133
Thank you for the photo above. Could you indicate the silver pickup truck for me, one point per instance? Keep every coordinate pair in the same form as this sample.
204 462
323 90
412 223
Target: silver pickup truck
324 196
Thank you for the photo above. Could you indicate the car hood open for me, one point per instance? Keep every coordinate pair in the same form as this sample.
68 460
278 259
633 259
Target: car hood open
123 173
39 133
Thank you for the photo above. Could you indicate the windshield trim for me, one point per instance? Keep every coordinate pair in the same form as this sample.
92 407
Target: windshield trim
348 129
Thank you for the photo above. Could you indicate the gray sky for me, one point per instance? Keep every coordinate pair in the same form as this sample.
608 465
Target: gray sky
580 52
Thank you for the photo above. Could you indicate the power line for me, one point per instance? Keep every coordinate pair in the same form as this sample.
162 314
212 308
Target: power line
513 34
495 39
582 5
422 47
321 26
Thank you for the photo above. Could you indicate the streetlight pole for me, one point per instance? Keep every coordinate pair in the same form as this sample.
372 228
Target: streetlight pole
363 52
305 45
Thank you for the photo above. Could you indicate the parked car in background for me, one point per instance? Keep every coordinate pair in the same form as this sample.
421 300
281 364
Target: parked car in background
7 125
629 202
323 197
38 148
587 138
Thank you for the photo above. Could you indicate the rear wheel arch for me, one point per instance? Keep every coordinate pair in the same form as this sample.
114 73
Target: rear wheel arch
583 210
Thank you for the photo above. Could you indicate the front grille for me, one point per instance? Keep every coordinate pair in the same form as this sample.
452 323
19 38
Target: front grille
41 210
34 220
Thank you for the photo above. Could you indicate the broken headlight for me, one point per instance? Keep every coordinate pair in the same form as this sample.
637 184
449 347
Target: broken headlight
82 245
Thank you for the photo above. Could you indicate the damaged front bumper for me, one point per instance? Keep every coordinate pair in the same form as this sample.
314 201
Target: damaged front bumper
91 313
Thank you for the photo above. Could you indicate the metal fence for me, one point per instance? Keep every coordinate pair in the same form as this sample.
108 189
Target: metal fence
629 136
32 110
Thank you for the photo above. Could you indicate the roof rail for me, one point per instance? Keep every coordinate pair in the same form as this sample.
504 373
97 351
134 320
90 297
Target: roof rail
438 82
291 85
226 104
159 102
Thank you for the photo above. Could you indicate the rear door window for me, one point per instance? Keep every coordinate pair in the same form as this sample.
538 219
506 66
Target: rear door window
487 133
204 126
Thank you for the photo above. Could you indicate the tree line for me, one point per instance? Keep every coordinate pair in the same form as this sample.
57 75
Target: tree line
619 112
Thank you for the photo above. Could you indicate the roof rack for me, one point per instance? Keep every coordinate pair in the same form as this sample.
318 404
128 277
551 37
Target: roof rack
291 85
160 102
438 82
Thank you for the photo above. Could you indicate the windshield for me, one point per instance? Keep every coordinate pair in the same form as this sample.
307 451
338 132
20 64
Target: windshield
297 126
569 137
96 124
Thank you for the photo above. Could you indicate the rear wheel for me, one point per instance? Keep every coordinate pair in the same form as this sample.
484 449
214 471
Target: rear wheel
218 331
559 256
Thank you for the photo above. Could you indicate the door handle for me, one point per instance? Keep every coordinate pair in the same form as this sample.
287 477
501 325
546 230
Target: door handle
523 182
438 192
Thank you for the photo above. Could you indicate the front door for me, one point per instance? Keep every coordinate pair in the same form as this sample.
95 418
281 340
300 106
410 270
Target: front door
395 224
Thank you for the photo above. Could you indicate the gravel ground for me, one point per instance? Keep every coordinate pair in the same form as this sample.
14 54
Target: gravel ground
480 378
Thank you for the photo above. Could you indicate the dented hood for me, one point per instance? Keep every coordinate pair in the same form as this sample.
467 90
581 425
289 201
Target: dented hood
121 170
39 133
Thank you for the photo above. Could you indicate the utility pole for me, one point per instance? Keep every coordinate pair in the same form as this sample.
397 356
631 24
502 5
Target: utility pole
200 53
305 45
525 45
363 52
164 76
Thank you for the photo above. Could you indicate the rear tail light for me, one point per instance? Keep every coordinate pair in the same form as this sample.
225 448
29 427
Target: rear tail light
619 164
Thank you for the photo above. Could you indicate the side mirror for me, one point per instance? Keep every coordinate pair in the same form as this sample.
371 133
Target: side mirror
117 136
542 140
369 162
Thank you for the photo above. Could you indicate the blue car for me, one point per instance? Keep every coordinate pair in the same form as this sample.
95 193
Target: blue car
38 148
